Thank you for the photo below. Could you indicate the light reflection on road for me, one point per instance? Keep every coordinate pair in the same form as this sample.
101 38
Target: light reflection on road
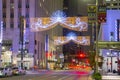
52 75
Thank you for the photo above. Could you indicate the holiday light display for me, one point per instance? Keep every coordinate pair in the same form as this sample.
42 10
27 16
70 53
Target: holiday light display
82 40
73 23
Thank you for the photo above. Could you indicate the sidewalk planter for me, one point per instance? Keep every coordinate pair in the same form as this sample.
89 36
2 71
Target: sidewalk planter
97 76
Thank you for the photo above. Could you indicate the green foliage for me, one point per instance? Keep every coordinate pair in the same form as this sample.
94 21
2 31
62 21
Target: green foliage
91 56
97 76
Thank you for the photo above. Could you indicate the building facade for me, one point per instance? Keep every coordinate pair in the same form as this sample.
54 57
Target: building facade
11 11
45 50
112 4
110 33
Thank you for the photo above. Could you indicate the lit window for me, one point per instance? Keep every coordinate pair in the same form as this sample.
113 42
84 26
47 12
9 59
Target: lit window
40 5
12 5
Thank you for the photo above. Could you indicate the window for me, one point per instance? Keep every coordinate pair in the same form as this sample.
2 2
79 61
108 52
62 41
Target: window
11 23
27 3
19 4
18 25
12 6
27 13
4 3
4 15
114 4
11 15
27 25
27 22
4 23
19 12
114 8
35 42
108 4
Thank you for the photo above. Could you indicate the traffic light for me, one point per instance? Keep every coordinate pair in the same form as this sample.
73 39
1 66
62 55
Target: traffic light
82 55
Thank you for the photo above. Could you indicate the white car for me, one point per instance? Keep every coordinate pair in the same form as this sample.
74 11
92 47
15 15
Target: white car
5 72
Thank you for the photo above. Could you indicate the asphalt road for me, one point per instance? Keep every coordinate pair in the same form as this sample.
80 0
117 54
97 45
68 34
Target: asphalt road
52 75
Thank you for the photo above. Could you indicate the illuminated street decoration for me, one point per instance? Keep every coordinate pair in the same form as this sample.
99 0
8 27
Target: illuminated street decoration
82 40
71 36
58 16
73 23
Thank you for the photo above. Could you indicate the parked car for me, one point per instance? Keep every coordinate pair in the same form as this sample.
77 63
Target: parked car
1 72
22 71
18 71
5 72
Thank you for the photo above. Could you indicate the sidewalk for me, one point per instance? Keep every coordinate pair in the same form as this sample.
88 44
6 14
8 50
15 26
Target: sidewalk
110 76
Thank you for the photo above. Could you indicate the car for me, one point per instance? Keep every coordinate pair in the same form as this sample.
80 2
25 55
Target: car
15 71
4 72
22 71
1 72
18 71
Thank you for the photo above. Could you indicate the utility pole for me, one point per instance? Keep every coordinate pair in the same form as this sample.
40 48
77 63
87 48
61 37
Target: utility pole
22 39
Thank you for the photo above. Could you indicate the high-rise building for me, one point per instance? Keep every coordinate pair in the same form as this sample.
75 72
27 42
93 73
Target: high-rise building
10 13
34 47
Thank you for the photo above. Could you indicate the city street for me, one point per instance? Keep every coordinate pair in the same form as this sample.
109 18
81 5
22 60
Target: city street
52 75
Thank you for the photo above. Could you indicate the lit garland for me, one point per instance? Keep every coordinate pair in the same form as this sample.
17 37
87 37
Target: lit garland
73 23
82 40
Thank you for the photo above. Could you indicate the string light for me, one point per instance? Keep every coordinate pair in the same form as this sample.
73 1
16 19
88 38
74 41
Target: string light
82 40
73 23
